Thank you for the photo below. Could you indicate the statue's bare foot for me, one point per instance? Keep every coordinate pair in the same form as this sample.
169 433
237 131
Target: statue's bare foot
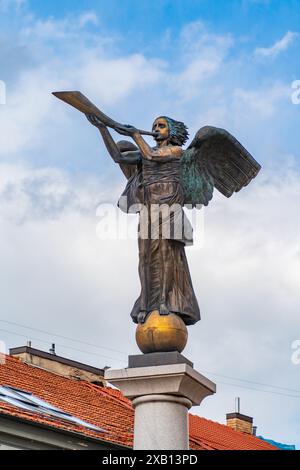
142 316
163 309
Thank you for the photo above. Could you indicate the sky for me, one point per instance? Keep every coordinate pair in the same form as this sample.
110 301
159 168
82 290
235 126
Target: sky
230 64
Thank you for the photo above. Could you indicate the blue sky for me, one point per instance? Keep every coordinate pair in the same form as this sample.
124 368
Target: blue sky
143 25
258 19
164 35
224 63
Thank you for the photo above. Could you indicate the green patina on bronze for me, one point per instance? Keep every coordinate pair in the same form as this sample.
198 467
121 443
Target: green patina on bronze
198 185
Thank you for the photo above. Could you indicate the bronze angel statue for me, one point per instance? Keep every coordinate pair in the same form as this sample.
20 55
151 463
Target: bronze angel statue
169 177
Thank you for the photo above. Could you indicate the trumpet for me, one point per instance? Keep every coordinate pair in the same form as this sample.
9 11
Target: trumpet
83 104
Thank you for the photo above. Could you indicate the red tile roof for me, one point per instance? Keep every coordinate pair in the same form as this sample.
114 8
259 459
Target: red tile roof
106 408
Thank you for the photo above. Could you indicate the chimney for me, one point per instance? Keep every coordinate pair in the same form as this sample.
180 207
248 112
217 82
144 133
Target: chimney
238 421
59 365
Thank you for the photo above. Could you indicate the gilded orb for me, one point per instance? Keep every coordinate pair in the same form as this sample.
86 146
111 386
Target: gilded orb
161 333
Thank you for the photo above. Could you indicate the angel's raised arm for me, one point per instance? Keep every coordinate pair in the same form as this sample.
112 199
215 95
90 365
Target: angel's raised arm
163 154
131 157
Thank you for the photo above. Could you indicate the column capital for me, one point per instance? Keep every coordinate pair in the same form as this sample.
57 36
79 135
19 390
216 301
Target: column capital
174 379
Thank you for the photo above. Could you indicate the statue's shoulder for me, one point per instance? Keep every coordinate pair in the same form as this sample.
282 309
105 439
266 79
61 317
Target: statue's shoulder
176 150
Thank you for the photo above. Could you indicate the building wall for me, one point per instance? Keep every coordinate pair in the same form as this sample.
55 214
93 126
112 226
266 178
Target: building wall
61 369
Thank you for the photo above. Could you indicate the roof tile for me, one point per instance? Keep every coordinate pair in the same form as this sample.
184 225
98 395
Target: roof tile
106 408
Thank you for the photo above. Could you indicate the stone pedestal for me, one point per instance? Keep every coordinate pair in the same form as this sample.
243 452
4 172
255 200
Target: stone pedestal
161 396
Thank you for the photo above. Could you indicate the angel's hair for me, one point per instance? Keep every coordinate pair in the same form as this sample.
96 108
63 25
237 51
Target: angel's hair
178 131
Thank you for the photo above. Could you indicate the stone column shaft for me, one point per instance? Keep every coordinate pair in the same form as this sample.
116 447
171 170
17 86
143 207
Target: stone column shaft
154 420
161 397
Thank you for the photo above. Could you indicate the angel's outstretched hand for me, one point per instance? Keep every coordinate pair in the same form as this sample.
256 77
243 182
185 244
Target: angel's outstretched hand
126 130
95 121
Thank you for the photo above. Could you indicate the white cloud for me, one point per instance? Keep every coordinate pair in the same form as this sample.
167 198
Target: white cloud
31 112
53 29
264 101
6 5
28 108
55 260
278 47
69 281
195 87
245 277
196 38
88 17
119 77
49 28
203 53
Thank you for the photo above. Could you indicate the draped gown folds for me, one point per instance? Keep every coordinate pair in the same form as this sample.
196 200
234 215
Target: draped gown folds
154 191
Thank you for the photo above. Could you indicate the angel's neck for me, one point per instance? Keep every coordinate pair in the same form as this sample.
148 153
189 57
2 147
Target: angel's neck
163 143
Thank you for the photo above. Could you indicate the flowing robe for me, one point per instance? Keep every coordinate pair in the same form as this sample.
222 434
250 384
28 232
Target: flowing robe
154 190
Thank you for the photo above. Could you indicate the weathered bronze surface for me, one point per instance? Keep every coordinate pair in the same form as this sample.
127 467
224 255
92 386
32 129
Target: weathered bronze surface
161 333
167 177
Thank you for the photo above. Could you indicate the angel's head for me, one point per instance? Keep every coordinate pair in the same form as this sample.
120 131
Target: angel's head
167 129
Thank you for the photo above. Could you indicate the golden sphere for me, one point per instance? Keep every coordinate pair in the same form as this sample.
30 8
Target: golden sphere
161 333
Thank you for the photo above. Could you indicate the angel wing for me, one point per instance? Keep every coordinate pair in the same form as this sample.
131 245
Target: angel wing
215 159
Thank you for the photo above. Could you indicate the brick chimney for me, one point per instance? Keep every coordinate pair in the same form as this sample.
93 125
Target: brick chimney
240 422
59 365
